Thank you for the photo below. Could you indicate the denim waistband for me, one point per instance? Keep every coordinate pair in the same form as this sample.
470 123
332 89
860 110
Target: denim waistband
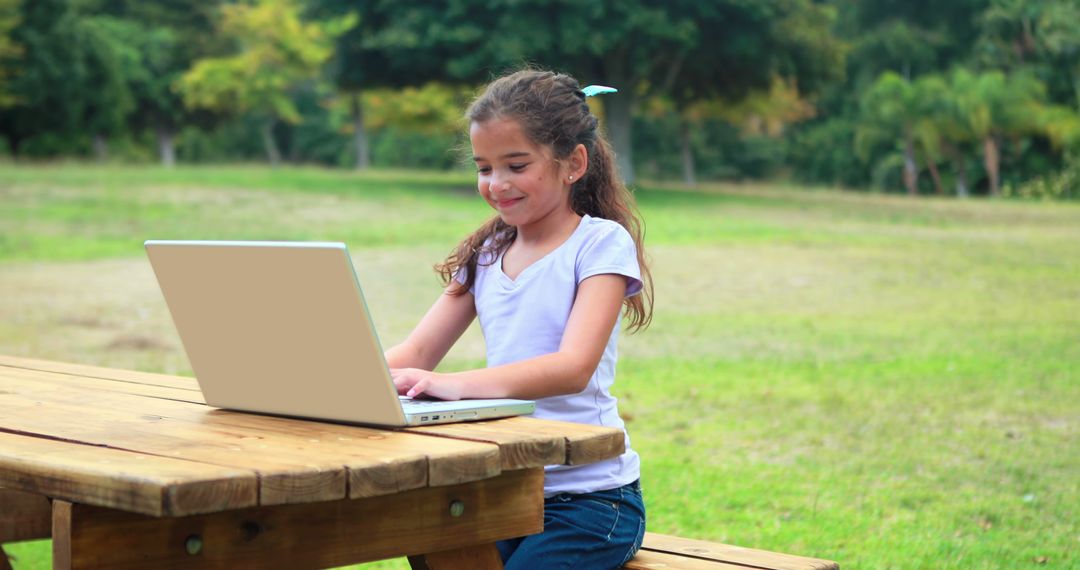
634 487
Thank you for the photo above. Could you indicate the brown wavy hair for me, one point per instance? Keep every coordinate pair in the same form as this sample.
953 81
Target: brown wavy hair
552 111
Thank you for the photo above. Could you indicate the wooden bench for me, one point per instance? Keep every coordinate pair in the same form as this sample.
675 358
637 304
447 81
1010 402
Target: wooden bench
662 552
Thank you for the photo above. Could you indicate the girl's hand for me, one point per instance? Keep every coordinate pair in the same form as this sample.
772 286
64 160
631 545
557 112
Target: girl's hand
414 382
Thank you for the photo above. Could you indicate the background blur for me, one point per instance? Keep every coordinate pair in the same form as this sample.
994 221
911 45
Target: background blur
930 97
886 381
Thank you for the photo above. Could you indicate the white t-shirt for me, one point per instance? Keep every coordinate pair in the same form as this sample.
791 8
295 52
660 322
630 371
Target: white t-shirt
525 317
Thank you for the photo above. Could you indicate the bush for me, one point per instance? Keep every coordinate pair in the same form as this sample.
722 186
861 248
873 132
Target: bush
393 147
1062 185
824 153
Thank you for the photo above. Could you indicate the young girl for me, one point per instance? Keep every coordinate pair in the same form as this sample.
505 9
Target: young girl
547 277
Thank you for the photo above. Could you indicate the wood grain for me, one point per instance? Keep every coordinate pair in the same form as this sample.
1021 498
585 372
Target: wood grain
483 557
61 533
314 535
649 560
23 516
157 486
521 437
743 557
298 461
130 376
521 440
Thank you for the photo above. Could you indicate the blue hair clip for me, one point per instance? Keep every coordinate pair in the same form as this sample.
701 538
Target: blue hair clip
598 90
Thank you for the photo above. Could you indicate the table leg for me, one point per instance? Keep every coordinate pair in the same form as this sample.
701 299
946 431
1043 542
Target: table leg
61 532
482 557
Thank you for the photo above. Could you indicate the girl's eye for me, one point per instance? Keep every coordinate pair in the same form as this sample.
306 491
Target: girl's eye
518 167
483 169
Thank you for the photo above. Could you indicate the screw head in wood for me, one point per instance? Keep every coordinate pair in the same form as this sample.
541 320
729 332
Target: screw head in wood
457 508
193 544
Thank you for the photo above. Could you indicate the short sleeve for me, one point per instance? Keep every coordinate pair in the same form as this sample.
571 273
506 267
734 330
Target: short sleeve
611 250
486 258
461 274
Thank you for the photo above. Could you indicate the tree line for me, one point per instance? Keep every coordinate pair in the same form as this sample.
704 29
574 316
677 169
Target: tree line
969 96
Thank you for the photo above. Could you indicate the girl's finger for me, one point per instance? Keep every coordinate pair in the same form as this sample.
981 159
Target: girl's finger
417 388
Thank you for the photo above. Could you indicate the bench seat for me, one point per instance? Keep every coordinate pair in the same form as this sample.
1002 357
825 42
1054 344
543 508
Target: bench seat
663 552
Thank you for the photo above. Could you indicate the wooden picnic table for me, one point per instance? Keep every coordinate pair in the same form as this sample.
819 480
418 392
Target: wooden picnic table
140 473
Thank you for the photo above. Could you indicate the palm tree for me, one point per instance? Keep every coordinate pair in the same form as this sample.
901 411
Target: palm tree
890 109
993 106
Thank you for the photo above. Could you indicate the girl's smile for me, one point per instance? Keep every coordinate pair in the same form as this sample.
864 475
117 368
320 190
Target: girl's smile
504 204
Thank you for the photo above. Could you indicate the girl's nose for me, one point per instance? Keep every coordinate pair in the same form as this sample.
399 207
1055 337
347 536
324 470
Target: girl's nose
498 183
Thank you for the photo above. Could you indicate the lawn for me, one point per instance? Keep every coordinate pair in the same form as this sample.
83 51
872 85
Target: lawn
882 381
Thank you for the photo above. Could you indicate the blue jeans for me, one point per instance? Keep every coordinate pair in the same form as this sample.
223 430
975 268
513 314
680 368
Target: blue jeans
592 530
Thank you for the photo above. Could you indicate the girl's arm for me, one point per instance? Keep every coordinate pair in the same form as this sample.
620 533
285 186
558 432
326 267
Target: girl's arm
595 312
432 338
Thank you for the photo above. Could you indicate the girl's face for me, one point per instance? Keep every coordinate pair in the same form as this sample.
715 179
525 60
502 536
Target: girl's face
519 179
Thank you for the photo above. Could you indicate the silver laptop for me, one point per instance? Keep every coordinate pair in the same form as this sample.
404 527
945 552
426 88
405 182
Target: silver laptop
283 328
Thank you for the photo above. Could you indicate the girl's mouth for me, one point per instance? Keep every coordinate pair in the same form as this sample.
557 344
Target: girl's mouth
502 204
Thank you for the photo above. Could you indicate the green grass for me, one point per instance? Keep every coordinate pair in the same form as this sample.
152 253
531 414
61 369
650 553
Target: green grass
886 382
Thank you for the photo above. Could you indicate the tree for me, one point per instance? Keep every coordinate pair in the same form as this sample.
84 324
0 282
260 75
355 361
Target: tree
278 52
764 113
994 106
112 65
1042 36
945 129
932 92
169 36
10 50
74 75
361 61
687 50
891 108
771 57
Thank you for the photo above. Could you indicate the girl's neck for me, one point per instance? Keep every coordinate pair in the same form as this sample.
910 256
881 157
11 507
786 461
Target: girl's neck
555 228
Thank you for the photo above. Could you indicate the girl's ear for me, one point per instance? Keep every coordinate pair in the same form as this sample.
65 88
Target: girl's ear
578 163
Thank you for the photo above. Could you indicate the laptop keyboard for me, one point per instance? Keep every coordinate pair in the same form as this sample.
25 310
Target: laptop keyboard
418 403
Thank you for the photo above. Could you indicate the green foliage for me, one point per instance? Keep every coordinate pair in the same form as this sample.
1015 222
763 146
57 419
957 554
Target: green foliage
1062 185
394 147
994 84
9 48
278 51
821 151
890 109
429 108
1040 35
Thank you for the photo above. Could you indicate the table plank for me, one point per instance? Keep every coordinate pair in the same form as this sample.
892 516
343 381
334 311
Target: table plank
524 442
524 436
317 535
130 376
106 384
447 462
95 475
284 451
